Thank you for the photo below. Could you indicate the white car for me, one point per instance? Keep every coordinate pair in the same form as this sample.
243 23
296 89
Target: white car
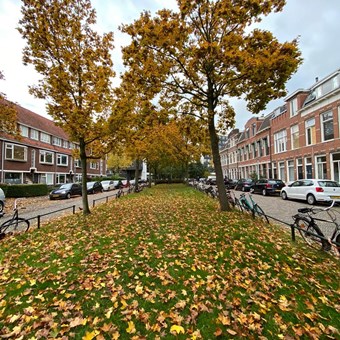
108 185
312 190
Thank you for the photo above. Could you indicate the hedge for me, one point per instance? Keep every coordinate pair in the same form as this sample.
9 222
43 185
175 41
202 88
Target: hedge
24 190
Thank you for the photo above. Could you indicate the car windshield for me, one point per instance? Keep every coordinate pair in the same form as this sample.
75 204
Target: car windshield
66 186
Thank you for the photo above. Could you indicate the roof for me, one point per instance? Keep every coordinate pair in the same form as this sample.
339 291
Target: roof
35 121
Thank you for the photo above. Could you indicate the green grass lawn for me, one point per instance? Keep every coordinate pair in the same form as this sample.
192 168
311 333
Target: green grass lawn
165 263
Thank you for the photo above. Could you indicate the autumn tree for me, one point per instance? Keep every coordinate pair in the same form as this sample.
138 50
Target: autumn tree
206 53
76 70
8 114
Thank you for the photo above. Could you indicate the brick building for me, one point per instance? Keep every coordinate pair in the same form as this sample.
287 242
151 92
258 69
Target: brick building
43 154
300 139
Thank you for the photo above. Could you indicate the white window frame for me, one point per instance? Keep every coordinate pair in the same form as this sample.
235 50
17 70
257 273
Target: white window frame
60 158
321 167
9 147
310 131
47 178
45 138
56 141
34 134
294 131
293 107
44 154
322 124
61 178
24 131
280 141
291 170
93 165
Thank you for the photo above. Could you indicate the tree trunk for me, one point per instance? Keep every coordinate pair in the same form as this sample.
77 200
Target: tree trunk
83 158
137 175
222 196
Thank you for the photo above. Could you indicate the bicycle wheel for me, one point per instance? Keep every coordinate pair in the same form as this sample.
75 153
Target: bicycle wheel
260 213
238 204
19 224
309 232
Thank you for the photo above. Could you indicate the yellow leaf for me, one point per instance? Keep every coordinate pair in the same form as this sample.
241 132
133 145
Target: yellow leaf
176 329
131 328
91 335
139 289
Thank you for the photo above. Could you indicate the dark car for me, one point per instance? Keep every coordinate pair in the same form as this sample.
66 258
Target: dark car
230 183
244 184
94 187
268 186
66 191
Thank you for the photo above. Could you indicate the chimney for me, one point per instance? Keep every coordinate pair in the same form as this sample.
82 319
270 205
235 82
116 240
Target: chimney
316 79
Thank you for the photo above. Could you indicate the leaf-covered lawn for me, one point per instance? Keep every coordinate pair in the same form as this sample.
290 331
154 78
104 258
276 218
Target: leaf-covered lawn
165 263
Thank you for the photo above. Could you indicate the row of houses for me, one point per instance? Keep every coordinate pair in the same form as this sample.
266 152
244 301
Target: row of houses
43 154
300 139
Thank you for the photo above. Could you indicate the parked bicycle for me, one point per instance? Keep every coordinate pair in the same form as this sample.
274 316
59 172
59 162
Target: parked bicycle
211 191
252 207
15 223
317 232
233 200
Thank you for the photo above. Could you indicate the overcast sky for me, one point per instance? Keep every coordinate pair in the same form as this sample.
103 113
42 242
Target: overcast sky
315 22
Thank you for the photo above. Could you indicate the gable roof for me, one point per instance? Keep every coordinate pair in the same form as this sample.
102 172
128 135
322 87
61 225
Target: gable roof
35 121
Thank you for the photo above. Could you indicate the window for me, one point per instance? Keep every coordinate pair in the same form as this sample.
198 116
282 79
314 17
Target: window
299 168
310 131
46 157
253 128
280 141
24 131
13 178
62 160
56 141
309 168
295 136
282 171
47 179
293 107
65 144
16 152
291 171
60 178
77 163
44 137
93 165
327 126
336 167
34 134
321 167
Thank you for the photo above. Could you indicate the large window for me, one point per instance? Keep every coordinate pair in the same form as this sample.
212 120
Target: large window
280 141
62 160
282 171
310 131
327 126
13 178
16 152
46 157
61 178
321 165
295 136
56 141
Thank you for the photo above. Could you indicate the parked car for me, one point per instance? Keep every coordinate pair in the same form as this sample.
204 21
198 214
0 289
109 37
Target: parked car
94 187
244 184
269 186
66 191
108 185
312 190
2 202
230 183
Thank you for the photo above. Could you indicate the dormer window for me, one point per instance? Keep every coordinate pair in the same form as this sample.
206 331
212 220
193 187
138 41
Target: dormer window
293 107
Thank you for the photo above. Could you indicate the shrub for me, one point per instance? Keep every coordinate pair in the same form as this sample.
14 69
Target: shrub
24 190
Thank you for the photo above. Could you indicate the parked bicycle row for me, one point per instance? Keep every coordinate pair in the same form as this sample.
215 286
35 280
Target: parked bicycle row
319 227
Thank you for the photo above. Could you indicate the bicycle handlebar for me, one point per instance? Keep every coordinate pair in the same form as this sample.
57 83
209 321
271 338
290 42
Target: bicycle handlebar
315 210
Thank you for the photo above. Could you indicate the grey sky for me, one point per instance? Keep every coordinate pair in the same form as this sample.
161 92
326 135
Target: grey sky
315 22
